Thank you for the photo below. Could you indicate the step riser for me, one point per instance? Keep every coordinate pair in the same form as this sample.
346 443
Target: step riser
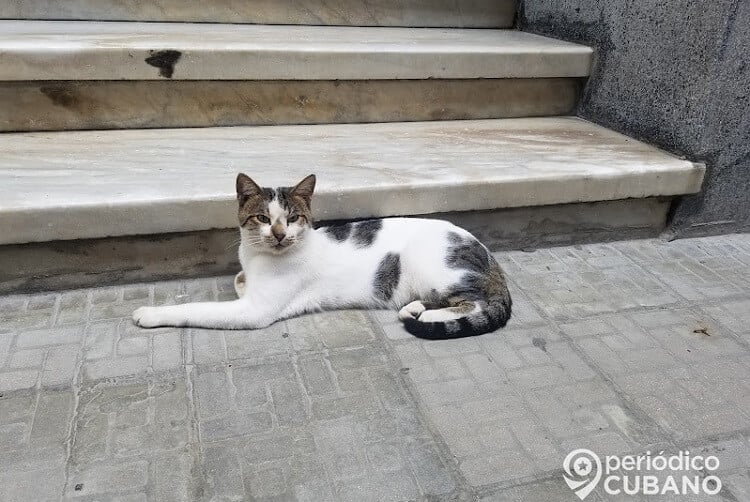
54 106
410 13
99 262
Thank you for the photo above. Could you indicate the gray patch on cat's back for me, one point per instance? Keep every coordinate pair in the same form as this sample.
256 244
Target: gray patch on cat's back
365 232
466 253
339 232
387 276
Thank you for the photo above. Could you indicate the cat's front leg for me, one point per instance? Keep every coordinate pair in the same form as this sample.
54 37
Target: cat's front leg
237 314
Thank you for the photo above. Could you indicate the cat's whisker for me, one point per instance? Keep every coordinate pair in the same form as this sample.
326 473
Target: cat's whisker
233 244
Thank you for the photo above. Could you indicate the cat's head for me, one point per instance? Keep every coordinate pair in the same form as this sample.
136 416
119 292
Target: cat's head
273 220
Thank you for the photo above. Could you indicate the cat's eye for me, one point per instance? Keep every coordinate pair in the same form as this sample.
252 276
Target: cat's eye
263 218
292 218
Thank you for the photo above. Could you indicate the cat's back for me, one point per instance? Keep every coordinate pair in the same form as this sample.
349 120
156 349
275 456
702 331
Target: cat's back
393 233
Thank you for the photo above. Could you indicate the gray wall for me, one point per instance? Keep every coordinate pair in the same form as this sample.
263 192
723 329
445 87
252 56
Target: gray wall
674 73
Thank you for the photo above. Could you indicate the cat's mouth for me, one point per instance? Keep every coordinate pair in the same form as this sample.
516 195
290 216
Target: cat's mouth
280 247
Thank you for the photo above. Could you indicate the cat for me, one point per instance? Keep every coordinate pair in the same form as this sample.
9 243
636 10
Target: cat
444 282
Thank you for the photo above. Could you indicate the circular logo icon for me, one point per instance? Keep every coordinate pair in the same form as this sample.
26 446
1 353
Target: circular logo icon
583 470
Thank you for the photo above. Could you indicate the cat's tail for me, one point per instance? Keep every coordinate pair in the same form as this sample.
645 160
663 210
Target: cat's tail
483 316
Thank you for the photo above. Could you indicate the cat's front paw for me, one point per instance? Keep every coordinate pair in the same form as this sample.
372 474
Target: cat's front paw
148 317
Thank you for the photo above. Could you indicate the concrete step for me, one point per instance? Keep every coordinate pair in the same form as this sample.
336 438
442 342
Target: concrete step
89 50
414 13
83 185
270 75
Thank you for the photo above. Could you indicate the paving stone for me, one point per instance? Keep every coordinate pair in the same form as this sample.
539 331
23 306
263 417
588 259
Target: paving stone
316 375
537 491
35 484
734 315
100 339
222 469
173 478
12 435
100 479
328 409
454 391
131 346
356 358
267 342
112 368
429 470
619 348
236 424
208 346
394 486
500 466
289 403
114 310
32 358
250 387
60 365
17 380
169 293
739 486
603 443
394 330
12 305
50 428
73 308
6 342
54 336
167 350
347 328
341 448
212 389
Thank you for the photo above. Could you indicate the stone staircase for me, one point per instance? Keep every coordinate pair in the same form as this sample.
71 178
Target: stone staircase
114 167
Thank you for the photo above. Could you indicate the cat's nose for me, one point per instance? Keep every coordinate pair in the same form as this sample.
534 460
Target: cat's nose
279 234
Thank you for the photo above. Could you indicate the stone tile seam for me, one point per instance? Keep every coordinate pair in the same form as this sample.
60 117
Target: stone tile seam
71 436
448 459
194 435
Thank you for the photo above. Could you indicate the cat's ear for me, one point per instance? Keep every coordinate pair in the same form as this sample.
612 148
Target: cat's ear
246 188
305 188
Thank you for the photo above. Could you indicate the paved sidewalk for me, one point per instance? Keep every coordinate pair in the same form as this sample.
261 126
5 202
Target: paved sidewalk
626 347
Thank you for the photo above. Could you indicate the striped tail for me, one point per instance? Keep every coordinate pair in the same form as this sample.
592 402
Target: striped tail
494 313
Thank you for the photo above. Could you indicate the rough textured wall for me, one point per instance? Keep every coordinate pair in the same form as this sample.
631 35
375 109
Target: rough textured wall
674 73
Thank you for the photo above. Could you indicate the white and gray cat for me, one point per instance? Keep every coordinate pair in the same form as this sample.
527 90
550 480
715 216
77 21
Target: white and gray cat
444 281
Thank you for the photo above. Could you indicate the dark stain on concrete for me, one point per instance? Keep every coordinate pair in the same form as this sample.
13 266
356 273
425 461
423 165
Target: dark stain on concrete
702 330
61 95
539 343
164 60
